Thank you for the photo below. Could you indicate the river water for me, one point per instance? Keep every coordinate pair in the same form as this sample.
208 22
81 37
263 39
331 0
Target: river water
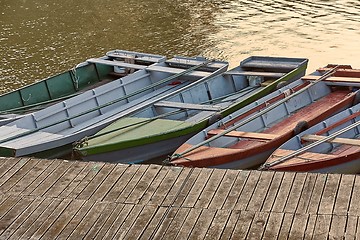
40 38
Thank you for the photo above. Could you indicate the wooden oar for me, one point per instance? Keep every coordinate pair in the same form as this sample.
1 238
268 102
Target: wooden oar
117 100
308 147
261 112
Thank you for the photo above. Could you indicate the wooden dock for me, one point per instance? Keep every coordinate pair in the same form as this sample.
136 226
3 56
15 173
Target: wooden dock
61 199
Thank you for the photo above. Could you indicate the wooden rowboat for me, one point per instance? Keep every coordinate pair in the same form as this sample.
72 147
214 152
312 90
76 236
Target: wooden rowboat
331 146
51 131
84 76
247 137
163 126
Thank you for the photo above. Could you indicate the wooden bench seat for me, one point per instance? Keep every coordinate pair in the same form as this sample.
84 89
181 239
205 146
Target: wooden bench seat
333 79
190 106
115 63
347 141
261 74
238 134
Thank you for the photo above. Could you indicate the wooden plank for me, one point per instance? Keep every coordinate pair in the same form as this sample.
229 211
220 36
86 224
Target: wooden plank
273 225
121 183
273 191
231 224
8 204
58 187
248 190
190 106
44 222
11 215
37 213
129 222
143 184
257 227
332 79
347 141
153 187
260 192
158 222
236 190
115 63
354 208
82 180
310 226
286 226
283 193
195 192
77 219
189 223
31 186
295 193
224 189
337 228
203 223
7 165
181 188
329 194
241 230
131 184
66 216
317 193
20 220
167 184
140 223
351 226
13 170
343 198
96 182
51 179
251 73
176 224
298 226
210 189
218 224
239 134
305 197
88 221
113 219
322 227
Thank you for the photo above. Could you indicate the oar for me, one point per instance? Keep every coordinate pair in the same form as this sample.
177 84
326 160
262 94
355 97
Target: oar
114 101
261 112
308 147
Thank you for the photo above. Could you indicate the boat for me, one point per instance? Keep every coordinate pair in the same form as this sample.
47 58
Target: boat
331 146
163 126
50 132
84 76
246 138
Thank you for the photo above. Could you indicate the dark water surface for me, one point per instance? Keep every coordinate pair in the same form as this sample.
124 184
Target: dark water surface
39 38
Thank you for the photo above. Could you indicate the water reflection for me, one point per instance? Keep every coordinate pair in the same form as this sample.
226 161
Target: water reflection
39 38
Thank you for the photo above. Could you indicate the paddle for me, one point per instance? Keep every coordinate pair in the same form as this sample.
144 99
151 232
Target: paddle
172 77
261 112
266 166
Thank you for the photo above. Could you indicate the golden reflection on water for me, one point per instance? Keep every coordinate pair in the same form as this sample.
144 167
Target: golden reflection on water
41 38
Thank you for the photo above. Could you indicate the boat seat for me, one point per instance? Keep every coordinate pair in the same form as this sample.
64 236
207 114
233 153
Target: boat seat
347 141
177 70
189 106
238 134
136 56
343 72
191 62
285 65
115 63
251 73
333 79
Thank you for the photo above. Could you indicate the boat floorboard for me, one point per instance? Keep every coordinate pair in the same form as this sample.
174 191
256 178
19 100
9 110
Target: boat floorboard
90 200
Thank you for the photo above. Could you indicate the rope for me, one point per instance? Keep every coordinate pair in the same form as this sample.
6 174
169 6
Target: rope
261 112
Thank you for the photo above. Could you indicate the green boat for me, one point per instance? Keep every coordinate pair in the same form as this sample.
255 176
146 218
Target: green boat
163 126
86 75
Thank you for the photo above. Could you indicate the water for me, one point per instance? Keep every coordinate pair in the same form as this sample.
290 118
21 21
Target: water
40 38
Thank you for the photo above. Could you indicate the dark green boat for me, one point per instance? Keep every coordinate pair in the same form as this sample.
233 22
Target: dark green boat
84 76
